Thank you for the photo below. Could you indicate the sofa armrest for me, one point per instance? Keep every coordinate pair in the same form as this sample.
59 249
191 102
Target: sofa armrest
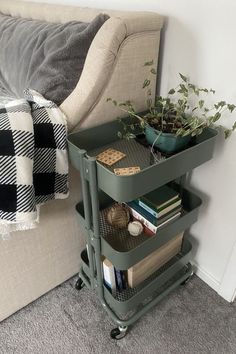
114 68
96 72
137 22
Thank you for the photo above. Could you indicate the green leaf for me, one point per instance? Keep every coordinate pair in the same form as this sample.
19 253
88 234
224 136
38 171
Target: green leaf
130 136
171 92
191 86
216 117
143 124
184 78
119 134
129 103
201 103
213 91
194 109
187 132
184 88
204 90
109 99
153 71
234 126
114 102
146 83
221 103
231 107
149 63
179 132
227 133
206 109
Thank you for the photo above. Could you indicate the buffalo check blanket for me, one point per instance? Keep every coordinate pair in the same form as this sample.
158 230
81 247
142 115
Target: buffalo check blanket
33 160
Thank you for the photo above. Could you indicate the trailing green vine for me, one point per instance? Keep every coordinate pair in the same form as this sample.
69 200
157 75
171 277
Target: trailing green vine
183 112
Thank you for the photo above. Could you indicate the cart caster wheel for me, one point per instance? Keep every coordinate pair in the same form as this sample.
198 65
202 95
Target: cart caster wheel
187 280
119 332
79 284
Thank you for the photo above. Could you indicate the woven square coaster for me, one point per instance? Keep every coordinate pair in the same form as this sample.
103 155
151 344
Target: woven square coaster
110 156
126 171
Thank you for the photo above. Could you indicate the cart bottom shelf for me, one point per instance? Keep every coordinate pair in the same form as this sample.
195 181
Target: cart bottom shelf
128 300
129 293
156 296
129 317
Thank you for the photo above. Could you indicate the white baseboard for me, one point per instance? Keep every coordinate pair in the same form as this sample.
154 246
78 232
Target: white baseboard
207 278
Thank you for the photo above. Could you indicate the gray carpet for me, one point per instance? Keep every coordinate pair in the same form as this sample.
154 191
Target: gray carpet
193 319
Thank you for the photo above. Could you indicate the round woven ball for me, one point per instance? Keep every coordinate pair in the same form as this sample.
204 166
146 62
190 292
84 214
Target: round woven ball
135 228
118 216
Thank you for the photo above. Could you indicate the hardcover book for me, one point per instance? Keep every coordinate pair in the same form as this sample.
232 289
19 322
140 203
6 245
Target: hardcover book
109 276
160 201
161 213
150 217
150 264
153 228
119 280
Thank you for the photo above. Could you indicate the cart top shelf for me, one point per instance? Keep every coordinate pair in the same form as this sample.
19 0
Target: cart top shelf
90 142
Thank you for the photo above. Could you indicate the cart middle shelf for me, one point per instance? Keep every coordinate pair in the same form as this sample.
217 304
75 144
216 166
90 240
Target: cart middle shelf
124 250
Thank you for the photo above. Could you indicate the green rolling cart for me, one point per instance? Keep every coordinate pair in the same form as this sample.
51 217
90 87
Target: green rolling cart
101 187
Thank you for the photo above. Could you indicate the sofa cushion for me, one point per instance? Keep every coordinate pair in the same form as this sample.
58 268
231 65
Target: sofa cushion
43 56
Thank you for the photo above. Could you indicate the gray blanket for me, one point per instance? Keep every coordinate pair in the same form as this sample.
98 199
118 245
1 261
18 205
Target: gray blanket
46 57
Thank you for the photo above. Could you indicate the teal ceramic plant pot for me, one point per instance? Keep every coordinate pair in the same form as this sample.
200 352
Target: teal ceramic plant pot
166 142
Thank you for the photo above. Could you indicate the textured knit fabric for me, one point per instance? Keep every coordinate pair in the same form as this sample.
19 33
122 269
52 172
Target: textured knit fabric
43 56
33 159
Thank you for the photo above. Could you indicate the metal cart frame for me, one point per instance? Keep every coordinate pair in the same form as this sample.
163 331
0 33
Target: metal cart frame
99 187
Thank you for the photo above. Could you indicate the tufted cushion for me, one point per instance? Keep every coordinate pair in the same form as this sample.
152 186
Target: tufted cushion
43 56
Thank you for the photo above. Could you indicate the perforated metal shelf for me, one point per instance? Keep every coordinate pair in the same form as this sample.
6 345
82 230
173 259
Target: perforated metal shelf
127 188
128 299
124 250
136 154
126 303
120 239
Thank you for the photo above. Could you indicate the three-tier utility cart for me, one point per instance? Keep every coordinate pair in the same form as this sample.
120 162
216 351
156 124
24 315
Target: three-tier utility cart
101 187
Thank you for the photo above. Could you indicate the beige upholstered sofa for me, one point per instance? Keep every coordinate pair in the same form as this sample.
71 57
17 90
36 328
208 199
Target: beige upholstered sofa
33 262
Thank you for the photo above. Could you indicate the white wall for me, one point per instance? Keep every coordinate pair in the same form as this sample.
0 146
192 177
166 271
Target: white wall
200 40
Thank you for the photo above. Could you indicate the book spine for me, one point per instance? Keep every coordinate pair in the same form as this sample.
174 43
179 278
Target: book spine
109 277
124 282
119 281
147 208
144 221
135 205
147 231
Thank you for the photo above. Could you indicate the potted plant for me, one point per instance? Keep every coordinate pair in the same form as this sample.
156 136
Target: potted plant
171 122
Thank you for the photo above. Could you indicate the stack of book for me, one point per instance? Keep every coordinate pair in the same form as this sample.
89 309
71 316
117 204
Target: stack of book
156 209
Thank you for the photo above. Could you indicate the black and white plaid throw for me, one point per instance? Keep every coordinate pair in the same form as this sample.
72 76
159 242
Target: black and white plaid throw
33 159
